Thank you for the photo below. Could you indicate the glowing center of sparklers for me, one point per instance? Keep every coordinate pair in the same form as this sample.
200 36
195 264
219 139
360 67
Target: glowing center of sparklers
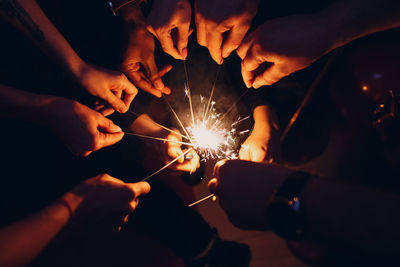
205 138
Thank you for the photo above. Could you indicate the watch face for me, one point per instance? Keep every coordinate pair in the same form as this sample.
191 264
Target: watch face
284 219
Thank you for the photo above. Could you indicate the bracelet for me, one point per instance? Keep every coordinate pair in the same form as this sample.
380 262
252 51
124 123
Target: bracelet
62 201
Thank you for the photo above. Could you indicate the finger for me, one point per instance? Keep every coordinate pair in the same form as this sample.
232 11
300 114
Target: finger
115 102
235 37
270 76
257 155
130 91
249 64
244 153
108 139
183 36
106 111
107 125
244 47
186 166
140 188
214 44
167 45
213 186
154 73
143 83
175 152
201 31
217 167
151 30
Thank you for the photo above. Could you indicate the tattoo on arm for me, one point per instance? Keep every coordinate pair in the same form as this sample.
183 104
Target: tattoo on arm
15 11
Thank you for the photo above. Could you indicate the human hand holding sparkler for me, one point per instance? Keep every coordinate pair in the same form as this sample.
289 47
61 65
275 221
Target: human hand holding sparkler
138 53
243 188
217 18
263 144
111 86
82 129
167 16
105 198
173 149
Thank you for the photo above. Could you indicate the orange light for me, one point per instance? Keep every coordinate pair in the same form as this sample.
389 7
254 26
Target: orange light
365 88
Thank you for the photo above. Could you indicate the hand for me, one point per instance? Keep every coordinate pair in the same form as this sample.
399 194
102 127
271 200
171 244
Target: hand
111 86
261 146
243 188
82 129
165 16
286 44
170 150
104 197
139 56
221 25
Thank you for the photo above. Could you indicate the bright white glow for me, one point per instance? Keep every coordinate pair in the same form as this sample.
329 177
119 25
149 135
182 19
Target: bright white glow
205 138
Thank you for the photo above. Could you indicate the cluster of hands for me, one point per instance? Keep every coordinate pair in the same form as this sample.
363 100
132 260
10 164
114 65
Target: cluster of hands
221 27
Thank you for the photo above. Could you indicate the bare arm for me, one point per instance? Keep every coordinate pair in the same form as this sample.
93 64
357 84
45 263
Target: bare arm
28 17
22 241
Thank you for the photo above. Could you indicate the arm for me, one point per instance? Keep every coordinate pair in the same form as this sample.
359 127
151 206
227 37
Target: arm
335 212
22 241
263 144
27 17
100 197
288 44
138 53
80 128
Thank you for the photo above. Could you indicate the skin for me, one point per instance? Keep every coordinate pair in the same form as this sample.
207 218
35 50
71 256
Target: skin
339 214
168 150
221 25
167 16
80 128
98 197
263 144
285 45
138 61
110 86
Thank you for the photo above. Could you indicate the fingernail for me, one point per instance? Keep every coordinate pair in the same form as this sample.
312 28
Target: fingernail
184 53
158 84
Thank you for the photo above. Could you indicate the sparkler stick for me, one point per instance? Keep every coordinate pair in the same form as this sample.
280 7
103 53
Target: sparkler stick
187 89
162 126
237 101
212 92
167 165
177 118
201 200
159 139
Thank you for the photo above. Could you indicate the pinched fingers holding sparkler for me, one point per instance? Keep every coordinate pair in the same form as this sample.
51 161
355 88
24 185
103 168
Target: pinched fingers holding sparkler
172 149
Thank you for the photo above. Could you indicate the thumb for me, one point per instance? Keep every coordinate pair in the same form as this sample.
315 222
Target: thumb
140 188
268 77
213 186
108 139
107 125
115 102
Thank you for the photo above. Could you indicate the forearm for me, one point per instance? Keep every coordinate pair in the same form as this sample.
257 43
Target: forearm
22 241
146 126
351 215
349 20
18 104
28 17
265 120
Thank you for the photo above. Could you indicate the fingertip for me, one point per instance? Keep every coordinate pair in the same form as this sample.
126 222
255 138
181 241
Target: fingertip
166 90
184 53
213 186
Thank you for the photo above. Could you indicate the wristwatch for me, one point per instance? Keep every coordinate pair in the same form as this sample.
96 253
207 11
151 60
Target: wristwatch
284 208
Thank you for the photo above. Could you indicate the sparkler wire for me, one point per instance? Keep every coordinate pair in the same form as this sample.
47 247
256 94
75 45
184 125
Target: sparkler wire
177 118
187 89
167 165
162 126
159 139
212 92
201 200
